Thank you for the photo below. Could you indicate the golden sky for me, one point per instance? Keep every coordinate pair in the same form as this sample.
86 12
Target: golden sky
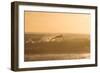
46 22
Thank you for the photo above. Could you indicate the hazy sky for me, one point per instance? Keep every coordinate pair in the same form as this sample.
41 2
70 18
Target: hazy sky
45 22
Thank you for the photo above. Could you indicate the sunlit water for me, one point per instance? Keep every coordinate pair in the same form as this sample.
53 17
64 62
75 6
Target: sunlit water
40 57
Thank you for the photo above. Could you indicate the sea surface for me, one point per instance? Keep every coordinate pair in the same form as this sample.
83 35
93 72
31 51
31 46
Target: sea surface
47 46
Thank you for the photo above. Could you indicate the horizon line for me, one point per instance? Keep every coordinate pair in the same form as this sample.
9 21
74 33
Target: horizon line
53 33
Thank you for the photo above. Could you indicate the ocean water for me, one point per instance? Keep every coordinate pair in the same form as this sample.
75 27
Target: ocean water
39 47
43 57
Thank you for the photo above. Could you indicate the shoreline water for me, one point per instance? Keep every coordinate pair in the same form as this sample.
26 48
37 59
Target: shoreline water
43 57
